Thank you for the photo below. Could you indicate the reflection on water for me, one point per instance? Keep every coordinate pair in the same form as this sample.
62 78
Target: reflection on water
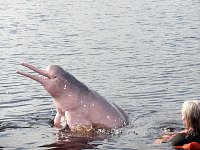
142 55
72 141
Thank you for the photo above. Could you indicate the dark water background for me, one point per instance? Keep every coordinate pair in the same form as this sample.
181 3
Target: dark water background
142 55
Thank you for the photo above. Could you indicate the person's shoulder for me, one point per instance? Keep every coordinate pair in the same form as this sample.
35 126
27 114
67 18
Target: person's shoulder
179 139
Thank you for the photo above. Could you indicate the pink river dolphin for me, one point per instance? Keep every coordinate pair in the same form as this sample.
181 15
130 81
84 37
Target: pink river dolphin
74 101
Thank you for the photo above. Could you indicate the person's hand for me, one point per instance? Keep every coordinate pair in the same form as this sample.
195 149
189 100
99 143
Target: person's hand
164 138
184 131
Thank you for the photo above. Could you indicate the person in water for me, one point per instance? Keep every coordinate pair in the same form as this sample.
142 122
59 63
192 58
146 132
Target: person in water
191 121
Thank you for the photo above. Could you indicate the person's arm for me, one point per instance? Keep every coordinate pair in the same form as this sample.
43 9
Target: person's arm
164 138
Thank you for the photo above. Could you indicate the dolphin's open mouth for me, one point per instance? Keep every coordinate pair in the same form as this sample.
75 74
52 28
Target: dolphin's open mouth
41 72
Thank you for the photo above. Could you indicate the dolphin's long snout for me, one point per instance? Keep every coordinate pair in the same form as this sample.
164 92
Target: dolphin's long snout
41 72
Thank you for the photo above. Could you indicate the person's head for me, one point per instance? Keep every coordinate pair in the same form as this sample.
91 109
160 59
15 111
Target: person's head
191 115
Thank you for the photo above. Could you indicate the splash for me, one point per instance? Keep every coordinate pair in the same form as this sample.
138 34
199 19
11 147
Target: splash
89 130
63 121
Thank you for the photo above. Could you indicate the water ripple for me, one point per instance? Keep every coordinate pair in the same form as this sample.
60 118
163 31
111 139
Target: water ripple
142 55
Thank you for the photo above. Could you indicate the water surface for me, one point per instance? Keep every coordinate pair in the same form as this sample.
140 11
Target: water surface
142 55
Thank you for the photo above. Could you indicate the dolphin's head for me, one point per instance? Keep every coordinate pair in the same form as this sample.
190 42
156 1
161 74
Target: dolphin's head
53 79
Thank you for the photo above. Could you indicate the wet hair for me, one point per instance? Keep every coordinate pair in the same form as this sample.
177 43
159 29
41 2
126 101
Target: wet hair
191 113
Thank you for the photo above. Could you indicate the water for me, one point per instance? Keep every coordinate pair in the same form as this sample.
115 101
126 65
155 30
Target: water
142 55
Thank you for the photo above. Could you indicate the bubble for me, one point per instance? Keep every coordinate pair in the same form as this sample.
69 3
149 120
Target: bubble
108 117
65 86
102 131
116 131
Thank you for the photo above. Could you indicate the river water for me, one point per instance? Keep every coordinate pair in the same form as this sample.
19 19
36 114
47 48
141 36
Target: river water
142 55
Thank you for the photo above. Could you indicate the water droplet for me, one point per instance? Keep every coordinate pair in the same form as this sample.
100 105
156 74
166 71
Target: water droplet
69 95
81 102
124 123
65 86
84 105
108 117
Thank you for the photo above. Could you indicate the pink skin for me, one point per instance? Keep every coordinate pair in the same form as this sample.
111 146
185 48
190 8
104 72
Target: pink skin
75 101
